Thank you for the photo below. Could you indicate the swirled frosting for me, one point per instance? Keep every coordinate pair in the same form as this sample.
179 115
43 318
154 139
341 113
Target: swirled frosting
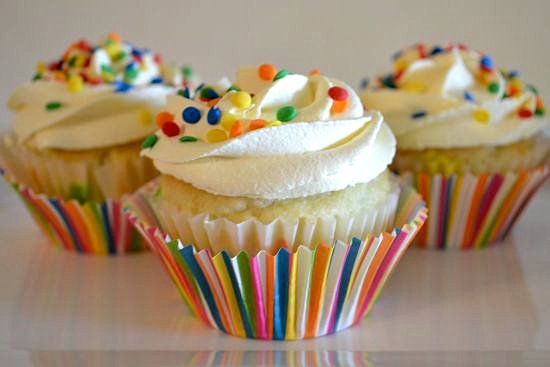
445 97
93 97
233 143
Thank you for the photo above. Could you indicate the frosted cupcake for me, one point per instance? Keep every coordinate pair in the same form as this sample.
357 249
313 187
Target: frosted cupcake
77 132
287 173
469 135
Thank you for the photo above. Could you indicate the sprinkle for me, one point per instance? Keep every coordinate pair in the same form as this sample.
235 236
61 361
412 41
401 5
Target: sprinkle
191 115
525 113
280 74
208 93
213 102
513 90
286 113
237 129
436 50
539 103
157 80
214 115
364 83
315 72
144 117
481 115
149 141
186 71
493 87
274 123
468 96
388 81
422 52
227 120
78 193
121 87
267 71
339 106
41 68
216 136
36 77
163 117
241 99
130 74
75 83
539 112
486 63
418 114
53 105
513 74
233 87
257 124
184 93
338 93
114 36
170 129
188 139
533 89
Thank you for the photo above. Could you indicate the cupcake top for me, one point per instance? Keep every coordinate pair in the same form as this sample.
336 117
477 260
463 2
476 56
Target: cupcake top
94 96
271 135
451 97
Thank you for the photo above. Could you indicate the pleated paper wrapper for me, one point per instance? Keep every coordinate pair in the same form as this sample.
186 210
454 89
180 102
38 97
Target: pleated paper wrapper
290 295
473 211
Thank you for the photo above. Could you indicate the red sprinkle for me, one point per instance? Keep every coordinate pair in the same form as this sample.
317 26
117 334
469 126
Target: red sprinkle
338 93
485 68
84 45
422 51
158 59
170 129
525 113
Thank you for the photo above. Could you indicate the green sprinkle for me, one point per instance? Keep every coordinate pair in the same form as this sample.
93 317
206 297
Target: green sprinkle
53 105
187 71
107 69
78 193
119 56
37 76
130 74
286 113
72 61
533 89
280 74
149 141
493 87
233 87
539 112
188 139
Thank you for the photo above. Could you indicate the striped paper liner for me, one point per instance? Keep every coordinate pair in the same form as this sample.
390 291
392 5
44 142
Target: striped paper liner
473 212
87 228
289 295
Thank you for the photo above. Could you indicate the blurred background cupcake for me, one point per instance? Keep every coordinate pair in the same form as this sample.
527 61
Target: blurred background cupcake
76 136
287 173
469 136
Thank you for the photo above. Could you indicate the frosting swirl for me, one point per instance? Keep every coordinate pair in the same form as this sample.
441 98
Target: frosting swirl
454 97
93 97
236 145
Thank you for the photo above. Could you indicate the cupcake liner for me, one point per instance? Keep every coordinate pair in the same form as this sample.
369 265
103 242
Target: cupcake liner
469 211
89 227
252 235
290 295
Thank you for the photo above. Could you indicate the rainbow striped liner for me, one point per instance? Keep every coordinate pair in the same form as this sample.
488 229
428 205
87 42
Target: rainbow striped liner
286 296
88 228
469 211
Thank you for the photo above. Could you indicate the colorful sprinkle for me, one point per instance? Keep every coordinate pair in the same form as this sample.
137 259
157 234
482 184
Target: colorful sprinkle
481 115
191 115
315 72
338 93
233 87
163 117
388 81
339 106
241 99
216 136
53 105
149 141
468 96
525 113
539 112
237 129
208 93
418 114
267 71
214 115
486 62
257 124
493 87
227 120
188 139
187 71
170 129
75 83
280 74
184 93
287 113
274 123
122 87
436 50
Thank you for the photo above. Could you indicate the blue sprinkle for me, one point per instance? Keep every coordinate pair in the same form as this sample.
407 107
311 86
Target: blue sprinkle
364 83
131 66
418 114
513 74
486 62
191 115
199 88
468 96
214 115
436 50
184 93
121 87
137 52
157 80
388 81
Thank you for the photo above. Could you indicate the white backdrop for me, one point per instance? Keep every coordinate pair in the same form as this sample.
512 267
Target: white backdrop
343 39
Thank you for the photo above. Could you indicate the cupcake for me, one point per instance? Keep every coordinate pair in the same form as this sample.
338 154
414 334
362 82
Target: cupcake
73 151
468 137
287 174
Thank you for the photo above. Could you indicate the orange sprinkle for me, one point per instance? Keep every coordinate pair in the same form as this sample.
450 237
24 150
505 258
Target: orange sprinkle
237 129
257 124
114 36
267 71
212 102
164 117
512 90
339 106
59 76
315 72
539 104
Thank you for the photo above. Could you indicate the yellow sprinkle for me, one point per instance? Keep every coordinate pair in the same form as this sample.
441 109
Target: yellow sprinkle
516 82
414 87
113 49
228 120
40 68
75 83
400 64
274 123
80 60
107 77
216 136
145 117
241 99
481 115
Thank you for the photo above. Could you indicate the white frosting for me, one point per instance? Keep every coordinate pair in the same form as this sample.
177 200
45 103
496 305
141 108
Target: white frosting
437 86
317 152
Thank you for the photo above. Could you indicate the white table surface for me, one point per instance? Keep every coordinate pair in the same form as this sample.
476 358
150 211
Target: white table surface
473 308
